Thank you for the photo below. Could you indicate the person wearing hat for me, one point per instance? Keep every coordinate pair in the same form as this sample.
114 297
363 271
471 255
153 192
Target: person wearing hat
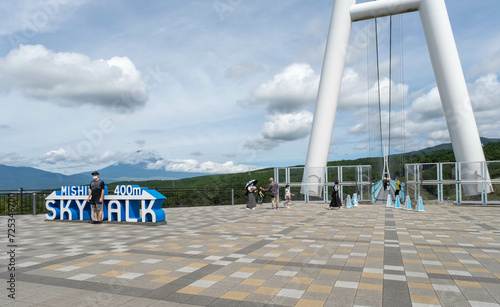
274 187
96 196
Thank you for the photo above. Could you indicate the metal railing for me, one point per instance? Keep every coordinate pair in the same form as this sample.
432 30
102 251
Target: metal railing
458 182
25 201
33 201
352 179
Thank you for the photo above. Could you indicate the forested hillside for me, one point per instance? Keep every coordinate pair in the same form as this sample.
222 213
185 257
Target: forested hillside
491 151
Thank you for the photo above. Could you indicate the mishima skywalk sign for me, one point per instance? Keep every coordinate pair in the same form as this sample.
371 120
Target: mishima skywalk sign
130 203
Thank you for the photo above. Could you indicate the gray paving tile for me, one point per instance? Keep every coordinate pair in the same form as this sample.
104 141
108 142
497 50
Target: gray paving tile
324 243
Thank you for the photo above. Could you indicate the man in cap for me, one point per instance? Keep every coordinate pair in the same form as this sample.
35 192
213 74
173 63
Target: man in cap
96 196
274 187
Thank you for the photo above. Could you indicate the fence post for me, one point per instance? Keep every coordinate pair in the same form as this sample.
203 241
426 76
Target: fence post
34 203
232 197
21 202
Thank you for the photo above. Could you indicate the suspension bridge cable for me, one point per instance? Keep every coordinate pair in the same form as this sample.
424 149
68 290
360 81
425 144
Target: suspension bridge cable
403 113
368 94
390 86
378 85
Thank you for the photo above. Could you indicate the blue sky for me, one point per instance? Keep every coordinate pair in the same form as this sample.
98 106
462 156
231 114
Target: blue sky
219 85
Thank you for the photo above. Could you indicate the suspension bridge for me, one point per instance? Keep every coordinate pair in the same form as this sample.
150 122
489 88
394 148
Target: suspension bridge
450 81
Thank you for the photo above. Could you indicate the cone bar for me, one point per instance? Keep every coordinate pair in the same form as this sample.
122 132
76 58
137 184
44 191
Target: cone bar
389 201
420 206
408 203
348 203
398 203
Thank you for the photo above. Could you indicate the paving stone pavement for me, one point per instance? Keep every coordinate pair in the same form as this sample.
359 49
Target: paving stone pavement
227 256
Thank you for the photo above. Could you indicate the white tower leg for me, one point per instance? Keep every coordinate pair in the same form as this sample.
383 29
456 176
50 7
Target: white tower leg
328 93
452 88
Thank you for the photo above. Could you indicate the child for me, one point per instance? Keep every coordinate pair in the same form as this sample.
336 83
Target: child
260 196
288 195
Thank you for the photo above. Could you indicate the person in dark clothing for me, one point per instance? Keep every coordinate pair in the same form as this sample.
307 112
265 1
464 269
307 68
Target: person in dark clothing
398 186
251 197
336 202
274 187
96 196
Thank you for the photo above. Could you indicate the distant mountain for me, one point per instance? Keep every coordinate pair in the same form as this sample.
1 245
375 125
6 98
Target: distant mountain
447 146
32 178
138 172
13 178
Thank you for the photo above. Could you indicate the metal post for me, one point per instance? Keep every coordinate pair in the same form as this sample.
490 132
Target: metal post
484 178
418 178
232 197
21 201
34 203
440 184
459 184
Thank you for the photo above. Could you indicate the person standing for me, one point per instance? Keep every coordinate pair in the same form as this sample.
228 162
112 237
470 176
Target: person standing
336 202
288 196
96 196
260 197
274 187
251 197
398 186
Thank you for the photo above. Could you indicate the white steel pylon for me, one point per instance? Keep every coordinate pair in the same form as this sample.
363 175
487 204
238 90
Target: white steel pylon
447 68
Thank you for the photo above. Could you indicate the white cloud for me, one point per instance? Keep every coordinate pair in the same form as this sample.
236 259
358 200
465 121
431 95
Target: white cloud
286 96
12 158
194 166
294 88
428 106
354 93
282 128
424 121
485 93
64 156
71 159
73 79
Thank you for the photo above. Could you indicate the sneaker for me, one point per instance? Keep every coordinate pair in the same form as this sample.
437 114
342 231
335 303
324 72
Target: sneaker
253 208
288 207
247 208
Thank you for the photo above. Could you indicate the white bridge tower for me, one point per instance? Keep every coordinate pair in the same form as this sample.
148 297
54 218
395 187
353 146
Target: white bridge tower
447 70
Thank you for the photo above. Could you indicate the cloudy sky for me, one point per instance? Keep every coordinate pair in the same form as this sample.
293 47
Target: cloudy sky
220 85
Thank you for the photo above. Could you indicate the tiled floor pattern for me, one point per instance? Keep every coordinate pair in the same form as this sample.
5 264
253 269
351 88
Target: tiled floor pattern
227 256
